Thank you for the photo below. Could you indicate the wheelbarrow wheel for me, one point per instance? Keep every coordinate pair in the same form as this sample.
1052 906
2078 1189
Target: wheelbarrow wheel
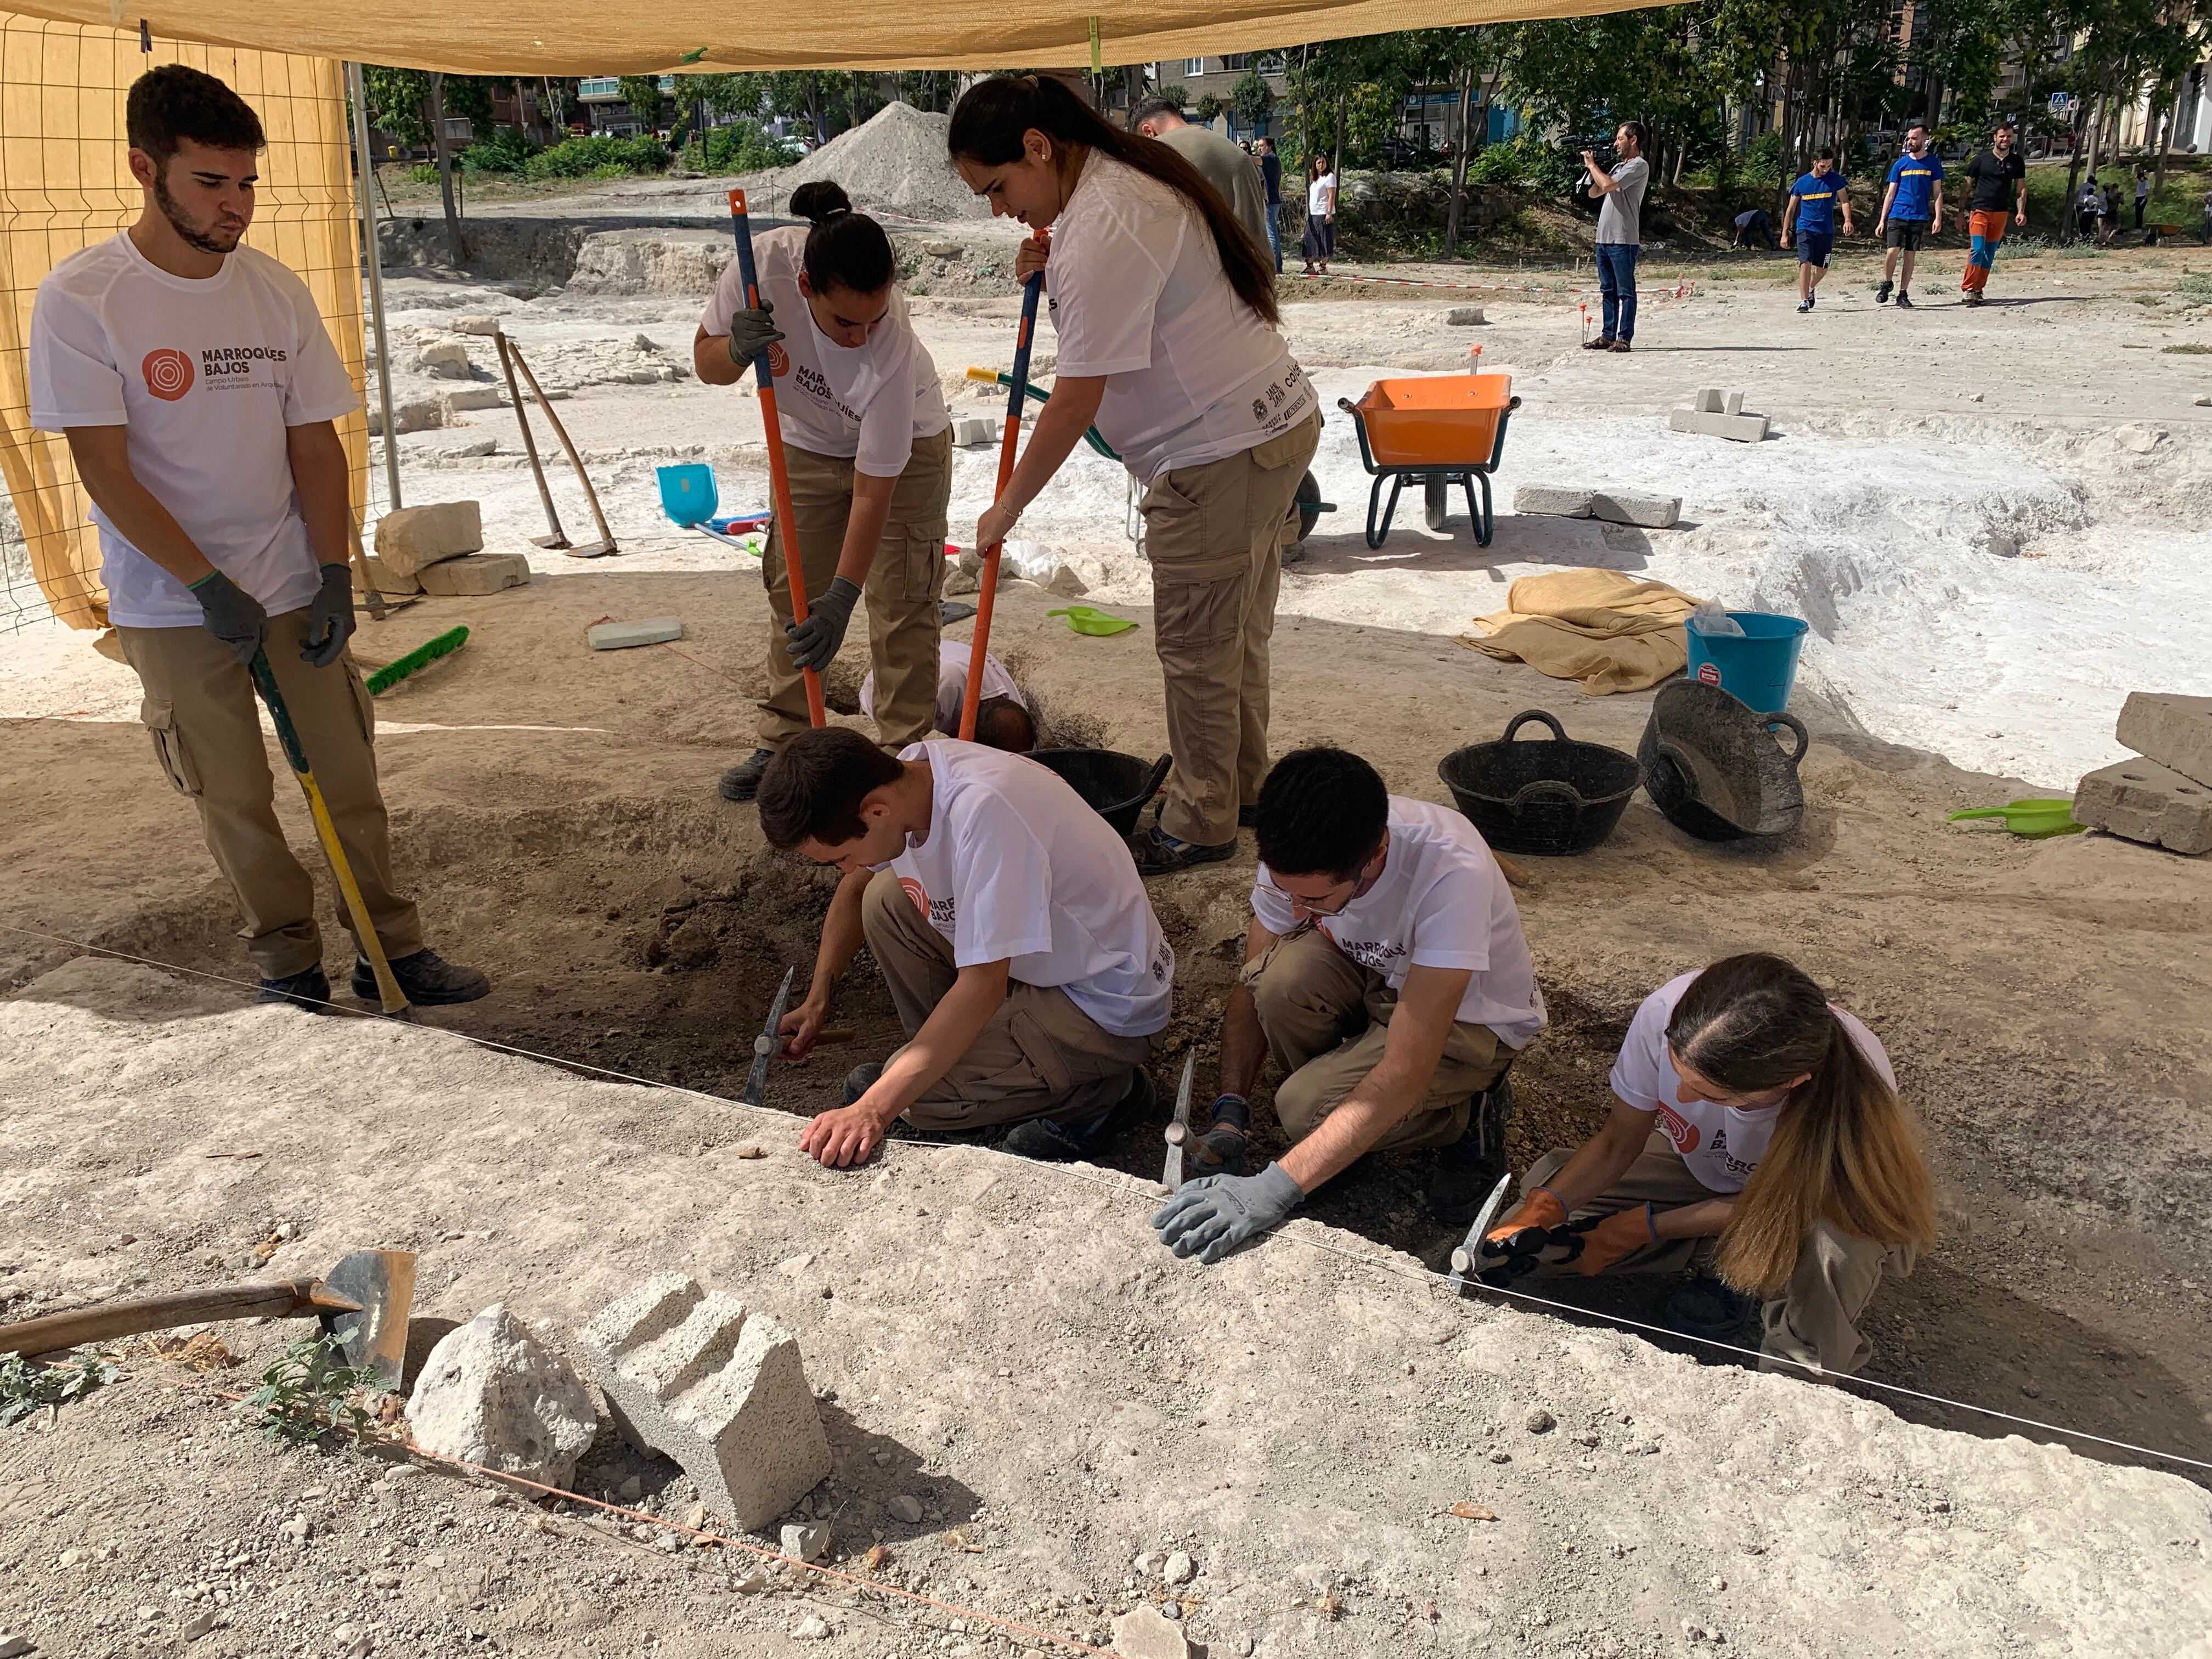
1310 505
1436 499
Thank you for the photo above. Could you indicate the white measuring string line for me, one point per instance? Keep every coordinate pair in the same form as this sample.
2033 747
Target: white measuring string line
1382 1264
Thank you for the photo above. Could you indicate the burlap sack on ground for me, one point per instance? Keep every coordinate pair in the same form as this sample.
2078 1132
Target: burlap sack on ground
1602 629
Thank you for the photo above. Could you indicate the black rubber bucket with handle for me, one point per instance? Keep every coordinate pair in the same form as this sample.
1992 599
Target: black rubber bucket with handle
1550 798
1114 784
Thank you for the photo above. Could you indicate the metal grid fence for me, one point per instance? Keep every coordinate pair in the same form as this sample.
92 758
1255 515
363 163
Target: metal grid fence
65 185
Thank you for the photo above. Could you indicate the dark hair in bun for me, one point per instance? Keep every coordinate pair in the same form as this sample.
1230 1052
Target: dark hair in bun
845 249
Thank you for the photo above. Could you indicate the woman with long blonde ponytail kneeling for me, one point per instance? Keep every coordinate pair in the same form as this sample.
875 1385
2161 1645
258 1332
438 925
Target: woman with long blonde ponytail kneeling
1756 1134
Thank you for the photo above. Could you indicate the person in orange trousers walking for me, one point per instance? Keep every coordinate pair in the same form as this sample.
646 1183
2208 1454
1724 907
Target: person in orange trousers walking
1996 191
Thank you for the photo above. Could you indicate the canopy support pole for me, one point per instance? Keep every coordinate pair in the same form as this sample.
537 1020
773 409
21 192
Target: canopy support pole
373 259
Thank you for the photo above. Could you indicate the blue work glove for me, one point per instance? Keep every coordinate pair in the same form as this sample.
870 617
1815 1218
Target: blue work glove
232 615
329 618
815 641
752 332
1210 1217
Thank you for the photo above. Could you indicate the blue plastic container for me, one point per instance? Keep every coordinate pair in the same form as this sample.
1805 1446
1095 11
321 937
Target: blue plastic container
1757 670
687 493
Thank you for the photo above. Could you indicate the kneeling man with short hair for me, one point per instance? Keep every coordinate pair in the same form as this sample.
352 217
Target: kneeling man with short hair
1025 961
1386 973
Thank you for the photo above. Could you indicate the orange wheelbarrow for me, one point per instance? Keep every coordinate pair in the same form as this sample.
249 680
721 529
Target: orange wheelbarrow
1443 429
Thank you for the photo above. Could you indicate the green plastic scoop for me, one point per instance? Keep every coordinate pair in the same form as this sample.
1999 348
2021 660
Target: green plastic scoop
1086 619
2034 820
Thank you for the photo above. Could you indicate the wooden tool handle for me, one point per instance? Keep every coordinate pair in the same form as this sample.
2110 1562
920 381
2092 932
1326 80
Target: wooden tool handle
293 1298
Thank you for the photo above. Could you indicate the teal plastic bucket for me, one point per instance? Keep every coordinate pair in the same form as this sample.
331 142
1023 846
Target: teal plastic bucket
1757 670
687 493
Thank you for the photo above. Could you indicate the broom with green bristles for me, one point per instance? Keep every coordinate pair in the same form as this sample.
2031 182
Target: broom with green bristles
416 661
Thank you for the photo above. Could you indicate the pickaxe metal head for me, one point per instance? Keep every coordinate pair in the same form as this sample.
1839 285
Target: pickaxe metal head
375 1338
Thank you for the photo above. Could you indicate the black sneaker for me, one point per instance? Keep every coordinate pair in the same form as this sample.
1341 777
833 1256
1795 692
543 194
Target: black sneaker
1159 854
742 782
1065 1143
1467 1168
309 989
1804 305
426 979
1881 294
1621 345
1903 301
862 1079
1711 1308
1603 342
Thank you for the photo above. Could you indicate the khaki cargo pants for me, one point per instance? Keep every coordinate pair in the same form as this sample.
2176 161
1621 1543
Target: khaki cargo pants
206 723
1215 535
1327 1019
901 592
1038 1056
1814 1320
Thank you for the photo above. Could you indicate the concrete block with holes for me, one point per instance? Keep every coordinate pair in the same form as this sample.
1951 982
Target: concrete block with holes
2174 731
411 538
696 1376
472 575
2147 802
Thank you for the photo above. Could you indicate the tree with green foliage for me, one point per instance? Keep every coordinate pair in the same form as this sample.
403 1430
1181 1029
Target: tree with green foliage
1207 110
1251 98
398 101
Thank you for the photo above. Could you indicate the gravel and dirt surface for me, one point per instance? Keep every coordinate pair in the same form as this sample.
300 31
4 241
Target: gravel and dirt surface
1992 546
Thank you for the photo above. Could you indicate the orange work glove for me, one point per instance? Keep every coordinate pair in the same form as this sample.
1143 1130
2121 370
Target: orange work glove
1540 1211
1614 1237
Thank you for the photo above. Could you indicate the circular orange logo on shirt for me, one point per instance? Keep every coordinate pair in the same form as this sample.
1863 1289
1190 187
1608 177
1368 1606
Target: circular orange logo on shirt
778 359
914 891
168 374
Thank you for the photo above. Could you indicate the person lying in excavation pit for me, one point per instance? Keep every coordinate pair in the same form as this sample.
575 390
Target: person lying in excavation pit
1757 1138
1003 718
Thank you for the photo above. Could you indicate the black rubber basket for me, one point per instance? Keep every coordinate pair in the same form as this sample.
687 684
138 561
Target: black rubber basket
1114 784
1550 798
1715 767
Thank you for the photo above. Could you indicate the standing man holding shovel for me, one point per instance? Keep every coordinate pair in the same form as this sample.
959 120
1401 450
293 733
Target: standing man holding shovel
197 389
869 450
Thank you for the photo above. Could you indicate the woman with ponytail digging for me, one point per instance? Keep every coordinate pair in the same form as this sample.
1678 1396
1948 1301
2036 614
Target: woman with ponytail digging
1166 313
869 443
1756 1134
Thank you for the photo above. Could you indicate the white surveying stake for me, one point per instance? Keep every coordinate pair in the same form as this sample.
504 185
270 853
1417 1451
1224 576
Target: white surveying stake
1178 1129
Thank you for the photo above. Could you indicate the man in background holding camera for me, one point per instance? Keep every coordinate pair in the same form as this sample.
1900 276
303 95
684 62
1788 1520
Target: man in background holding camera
1618 235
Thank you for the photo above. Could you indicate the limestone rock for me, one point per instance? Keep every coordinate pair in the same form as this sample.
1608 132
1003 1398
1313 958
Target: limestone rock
475 575
444 357
491 1393
1143 1633
409 538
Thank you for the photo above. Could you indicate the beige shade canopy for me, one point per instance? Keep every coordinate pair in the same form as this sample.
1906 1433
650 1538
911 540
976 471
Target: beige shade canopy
590 37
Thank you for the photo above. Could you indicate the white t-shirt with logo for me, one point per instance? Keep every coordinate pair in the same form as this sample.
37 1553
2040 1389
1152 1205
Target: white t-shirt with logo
1017 868
952 685
1317 194
1441 902
864 404
206 373
1722 1145
1137 295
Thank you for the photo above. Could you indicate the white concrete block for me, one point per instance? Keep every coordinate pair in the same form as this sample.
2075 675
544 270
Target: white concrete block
974 433
1707 401
1619 506
463 398
622 636
2174 731
389 580
413 536
1741 428
1553 500
695 1376
2147 802
1732 403
1464 316
475 575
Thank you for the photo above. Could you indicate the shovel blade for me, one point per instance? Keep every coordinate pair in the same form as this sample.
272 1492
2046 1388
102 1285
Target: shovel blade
376 1338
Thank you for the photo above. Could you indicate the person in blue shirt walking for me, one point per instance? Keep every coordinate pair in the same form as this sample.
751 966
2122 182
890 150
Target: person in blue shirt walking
1271 174
1911 208
1815 201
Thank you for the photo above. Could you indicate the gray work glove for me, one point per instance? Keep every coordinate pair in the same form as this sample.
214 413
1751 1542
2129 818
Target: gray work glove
1211 1215
815 641
232 615
752 332
329 618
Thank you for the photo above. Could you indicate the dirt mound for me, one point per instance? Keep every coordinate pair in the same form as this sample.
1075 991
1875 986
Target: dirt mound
894 162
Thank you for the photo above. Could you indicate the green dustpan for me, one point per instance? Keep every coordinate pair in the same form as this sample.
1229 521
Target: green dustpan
1085 619
2032 820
